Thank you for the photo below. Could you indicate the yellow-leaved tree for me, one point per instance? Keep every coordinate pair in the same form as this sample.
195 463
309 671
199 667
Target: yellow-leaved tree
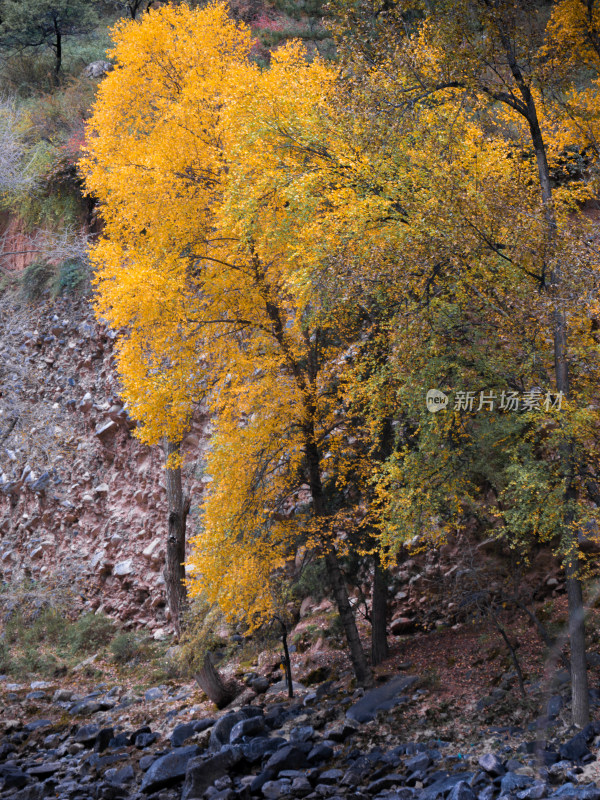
509 277
211 174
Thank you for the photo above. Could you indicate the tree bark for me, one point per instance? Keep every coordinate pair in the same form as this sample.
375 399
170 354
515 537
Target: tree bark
579 679
57 50
362 671
305 377
379 644
286 658
174 572
212 684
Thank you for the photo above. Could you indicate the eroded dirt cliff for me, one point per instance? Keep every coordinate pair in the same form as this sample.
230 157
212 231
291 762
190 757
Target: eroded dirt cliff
82 501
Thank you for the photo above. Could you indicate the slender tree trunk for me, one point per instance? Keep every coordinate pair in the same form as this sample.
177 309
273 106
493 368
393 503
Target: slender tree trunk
57 50
379 644
174 572
362 671
579 680
305 377
286 658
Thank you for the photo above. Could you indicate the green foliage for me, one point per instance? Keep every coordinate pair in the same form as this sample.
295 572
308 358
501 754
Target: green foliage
89 633
312 581
36 280
40 637
73 276
128 647
41 279
6 663
43 24
200 635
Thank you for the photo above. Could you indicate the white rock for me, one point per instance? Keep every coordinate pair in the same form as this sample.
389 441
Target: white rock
123 567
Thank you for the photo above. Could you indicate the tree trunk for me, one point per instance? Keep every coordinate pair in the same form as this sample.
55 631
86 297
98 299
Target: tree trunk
57 50
379 644
212 684
362 670
286 658
307 384
580 702
579 680
174 572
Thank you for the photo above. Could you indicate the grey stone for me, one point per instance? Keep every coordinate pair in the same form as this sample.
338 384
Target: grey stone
181 733
554 706
260 685
120 776
145 740
320 752
272 790
46 770
491 764
203 772
290 757
301 786
86 735
246 728
97 69
511 782
255 749
331 776
535 792
154 693
223 727
168 769
383 698
575 749
126 568
36 724
418 762
444 785
339 733
302 734
462 791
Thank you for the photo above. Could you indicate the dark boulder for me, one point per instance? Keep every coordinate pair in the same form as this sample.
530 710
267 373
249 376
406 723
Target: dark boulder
168 769
203 772
383 698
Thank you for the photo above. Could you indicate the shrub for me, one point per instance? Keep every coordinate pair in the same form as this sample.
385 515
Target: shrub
128 647
73 276
199 635
36 279
90 633
313 581
6 663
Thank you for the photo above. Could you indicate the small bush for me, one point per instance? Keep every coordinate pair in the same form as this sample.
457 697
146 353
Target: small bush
128 647
199 635
6 663
73 276
313 582
90 633
36 280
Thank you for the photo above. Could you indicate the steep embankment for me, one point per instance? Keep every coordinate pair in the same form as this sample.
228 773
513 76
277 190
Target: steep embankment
82 502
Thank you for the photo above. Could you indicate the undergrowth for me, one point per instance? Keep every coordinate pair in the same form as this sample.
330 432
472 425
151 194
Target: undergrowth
40 636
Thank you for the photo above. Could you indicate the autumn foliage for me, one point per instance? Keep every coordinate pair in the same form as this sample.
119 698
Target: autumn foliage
309 248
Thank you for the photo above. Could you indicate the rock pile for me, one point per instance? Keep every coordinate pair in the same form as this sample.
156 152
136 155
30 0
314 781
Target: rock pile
82 502
306 748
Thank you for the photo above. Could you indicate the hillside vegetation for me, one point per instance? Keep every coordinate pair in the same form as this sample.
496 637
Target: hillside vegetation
363 240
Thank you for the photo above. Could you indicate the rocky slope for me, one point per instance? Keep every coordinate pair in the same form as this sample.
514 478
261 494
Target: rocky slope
82 502
332 742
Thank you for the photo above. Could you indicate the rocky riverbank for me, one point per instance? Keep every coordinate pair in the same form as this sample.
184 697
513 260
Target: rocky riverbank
328 742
